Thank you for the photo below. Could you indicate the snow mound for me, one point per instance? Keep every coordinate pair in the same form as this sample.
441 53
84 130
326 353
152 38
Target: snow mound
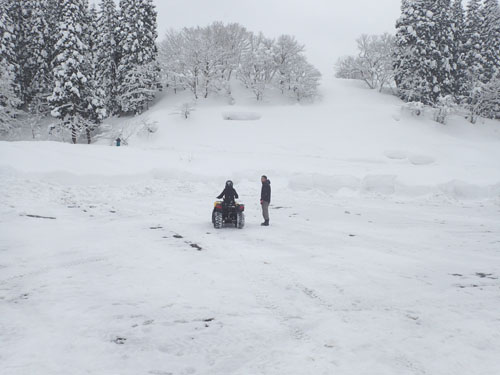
391 186
379 184
421 159
414 159
241 116
396 154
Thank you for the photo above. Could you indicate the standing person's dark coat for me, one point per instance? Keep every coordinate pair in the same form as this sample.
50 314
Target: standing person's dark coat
265 199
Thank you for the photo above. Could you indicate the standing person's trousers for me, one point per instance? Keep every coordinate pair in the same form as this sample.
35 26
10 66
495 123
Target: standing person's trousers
265 210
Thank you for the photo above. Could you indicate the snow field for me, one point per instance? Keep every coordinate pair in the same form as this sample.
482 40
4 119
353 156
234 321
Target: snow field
373 264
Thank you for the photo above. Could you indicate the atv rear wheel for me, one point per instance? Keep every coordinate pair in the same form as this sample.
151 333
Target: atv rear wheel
240 220
217 220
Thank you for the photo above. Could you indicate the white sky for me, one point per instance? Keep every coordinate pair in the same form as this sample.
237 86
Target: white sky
328 28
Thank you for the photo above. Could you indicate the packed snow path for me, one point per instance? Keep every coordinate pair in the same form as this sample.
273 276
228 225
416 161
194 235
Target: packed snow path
113 284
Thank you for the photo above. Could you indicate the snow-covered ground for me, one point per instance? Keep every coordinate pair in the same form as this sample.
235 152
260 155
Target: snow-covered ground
383 254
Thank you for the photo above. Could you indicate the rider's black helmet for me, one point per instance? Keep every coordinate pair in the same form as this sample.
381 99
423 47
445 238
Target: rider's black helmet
229 183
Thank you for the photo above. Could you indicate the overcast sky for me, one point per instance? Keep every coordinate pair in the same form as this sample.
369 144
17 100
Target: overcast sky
328 28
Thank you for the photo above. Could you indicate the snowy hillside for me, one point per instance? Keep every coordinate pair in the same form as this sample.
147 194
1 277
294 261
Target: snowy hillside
382 256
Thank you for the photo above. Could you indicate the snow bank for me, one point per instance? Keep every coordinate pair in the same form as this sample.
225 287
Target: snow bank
241 116
390 186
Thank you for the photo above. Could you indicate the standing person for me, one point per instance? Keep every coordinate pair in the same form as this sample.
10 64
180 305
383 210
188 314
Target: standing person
265 199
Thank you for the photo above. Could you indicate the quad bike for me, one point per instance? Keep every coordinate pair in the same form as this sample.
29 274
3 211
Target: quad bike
228 213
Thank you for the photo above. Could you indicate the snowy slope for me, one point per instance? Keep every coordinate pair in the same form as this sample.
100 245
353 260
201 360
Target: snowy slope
382 256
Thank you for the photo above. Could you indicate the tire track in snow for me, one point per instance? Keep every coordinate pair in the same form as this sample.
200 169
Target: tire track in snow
46 269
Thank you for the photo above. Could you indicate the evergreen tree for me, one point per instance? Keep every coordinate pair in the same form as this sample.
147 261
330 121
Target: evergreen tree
36 65
474 60
490 37
9 88
69 97
411 60
13 10
138 70
459 66
95 94
107 55
53 16
442 44
473 43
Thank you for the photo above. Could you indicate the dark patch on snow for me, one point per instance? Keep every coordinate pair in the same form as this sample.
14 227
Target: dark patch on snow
457 274
209 320
347 212
113 212
157 227
120 340
178 236
148 322
486 275
40 217
352 235
196 246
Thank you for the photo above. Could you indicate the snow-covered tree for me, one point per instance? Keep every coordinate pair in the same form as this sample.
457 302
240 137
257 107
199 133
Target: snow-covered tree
71 86
176 68
374 63
96 109
286 52
490 38
303 80
459 66
474 59
107 55
473 43
235 40
425 51
9 88
442 43
204 60
37 63
257 67
14 16
138 70
410 74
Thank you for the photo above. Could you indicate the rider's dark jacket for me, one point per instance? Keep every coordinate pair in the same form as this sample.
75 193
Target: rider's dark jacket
229 194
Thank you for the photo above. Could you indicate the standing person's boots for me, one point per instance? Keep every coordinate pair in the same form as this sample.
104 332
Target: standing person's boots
265 223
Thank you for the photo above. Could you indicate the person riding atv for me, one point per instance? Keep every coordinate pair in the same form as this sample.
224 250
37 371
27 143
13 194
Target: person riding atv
229 193
228 211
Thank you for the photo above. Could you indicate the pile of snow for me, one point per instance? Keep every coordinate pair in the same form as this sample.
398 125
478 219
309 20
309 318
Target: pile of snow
414 159
241 116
